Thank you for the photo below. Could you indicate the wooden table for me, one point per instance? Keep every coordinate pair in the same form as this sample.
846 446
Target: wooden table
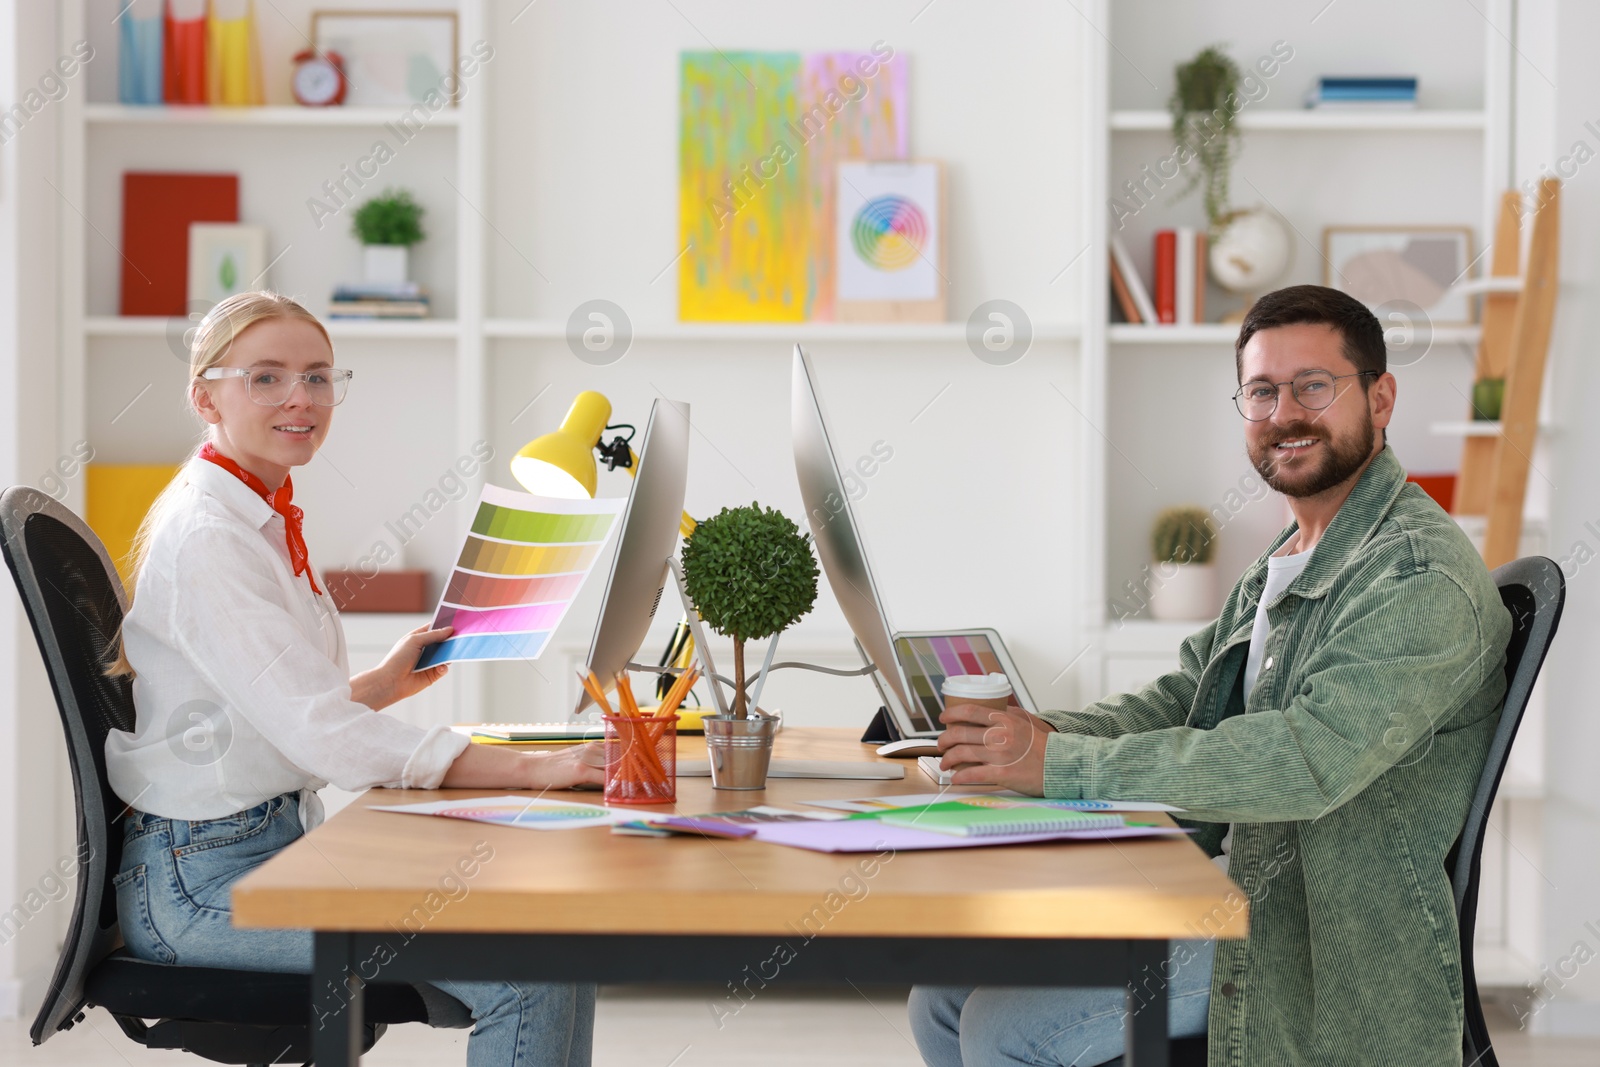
408 898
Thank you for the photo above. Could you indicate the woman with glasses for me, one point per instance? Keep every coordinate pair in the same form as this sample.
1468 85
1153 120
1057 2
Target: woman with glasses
244 701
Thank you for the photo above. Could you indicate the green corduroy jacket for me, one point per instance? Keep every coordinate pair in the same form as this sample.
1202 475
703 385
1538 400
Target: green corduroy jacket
1347 778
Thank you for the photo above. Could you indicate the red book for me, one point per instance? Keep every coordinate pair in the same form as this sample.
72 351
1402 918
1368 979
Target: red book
1166 293
156 212
184 70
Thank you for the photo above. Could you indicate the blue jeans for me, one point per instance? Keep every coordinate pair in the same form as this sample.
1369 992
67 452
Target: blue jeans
174 903
1009 1027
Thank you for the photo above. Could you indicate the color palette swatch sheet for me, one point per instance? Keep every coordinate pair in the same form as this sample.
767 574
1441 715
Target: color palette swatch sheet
521 566
524 813
928 661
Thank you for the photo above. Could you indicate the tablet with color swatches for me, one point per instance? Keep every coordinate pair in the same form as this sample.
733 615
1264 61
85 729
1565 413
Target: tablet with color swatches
520 568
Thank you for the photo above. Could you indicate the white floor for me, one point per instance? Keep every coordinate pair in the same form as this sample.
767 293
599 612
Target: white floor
647 1028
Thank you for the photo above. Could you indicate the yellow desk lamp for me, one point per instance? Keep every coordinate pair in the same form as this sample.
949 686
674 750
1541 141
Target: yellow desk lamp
562 464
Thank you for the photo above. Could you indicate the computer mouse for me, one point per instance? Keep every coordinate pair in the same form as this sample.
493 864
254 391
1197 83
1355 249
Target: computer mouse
911 746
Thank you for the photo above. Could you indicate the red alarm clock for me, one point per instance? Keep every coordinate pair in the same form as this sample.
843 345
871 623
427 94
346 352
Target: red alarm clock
318 79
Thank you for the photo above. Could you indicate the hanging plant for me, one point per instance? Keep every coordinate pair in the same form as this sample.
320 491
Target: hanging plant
1203 108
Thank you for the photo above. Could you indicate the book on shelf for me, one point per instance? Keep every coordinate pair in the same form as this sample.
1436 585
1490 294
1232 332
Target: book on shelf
394 300
1121 297
1200 253
1183 276
1166 288
1359 93
1145 308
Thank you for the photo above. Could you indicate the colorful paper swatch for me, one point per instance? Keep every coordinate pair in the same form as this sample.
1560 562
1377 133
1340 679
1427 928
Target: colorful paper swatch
524 813
928 661
760 140
521 566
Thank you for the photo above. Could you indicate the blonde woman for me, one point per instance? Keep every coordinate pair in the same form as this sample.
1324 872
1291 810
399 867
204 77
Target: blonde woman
244 702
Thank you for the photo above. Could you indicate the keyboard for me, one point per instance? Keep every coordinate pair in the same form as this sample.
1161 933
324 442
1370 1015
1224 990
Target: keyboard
930 767
535 731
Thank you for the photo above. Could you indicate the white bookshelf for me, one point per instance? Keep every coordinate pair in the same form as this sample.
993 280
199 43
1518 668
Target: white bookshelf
307 117
1158 389
797 332
274 150
1321 120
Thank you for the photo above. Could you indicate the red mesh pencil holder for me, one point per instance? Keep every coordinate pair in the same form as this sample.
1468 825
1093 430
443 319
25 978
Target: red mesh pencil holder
641 759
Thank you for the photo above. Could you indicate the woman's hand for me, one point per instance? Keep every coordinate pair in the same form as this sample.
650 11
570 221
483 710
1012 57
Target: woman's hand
396 677
988 747
577 765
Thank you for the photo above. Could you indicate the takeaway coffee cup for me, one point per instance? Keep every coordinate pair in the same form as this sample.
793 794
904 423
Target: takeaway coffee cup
984 690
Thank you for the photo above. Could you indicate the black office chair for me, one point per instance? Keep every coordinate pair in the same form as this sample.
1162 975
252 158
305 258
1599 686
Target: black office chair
1533 590
75 603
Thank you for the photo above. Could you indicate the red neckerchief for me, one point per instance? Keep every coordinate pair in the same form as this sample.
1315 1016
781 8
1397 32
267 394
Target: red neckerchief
279 502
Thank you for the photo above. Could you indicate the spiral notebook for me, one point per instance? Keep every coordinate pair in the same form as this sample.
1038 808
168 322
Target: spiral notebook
961 819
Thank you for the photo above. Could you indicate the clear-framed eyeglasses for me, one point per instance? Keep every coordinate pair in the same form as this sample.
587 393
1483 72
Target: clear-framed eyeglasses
272 386
1313 390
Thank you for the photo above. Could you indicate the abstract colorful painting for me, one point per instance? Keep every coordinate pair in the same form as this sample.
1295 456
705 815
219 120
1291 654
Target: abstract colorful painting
760 138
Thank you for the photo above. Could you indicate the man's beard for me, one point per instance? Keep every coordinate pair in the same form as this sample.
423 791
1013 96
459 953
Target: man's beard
1307 475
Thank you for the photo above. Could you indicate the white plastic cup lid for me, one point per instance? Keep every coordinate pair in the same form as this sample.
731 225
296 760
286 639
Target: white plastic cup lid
977 686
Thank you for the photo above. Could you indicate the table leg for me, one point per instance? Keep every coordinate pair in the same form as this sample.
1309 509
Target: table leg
1147 1013
337 1016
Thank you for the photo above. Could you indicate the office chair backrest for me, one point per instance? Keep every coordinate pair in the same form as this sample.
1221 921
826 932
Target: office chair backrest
1534 591
75 602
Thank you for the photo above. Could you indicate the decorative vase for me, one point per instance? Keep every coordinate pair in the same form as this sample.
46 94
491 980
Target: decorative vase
385 264
1184 592
1249 253
740 750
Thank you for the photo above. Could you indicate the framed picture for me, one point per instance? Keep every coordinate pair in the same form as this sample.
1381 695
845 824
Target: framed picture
889 242
1419 264
391 58
225 258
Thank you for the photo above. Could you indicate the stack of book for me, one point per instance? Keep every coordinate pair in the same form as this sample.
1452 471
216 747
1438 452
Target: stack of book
400 300
1179 296
1363 93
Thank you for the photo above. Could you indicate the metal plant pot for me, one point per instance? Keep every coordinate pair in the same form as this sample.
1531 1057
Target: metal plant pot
740 750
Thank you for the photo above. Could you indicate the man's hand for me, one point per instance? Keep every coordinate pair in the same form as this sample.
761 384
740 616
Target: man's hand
988 747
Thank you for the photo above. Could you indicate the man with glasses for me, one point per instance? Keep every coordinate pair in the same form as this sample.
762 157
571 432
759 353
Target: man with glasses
1324 735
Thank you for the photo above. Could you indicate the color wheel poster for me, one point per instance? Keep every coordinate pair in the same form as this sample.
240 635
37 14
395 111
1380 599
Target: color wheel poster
886 231
520 569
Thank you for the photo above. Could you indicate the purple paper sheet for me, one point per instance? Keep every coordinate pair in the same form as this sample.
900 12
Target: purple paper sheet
870 835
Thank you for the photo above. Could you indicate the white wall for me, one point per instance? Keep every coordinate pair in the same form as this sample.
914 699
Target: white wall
34 805
1557 65
973 521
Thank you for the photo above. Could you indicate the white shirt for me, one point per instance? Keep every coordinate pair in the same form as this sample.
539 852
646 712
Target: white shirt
1281 570
242 687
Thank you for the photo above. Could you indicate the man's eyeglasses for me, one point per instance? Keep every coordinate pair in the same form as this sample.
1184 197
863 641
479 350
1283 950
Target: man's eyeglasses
1313 390
272 386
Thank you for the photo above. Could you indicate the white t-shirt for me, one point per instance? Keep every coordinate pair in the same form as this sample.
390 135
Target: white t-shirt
1281 570
243 681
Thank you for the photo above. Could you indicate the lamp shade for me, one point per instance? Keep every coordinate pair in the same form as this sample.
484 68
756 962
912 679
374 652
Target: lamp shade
561 464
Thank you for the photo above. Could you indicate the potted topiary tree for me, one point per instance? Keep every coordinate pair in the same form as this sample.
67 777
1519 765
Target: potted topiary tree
1184 544
751 575
387 226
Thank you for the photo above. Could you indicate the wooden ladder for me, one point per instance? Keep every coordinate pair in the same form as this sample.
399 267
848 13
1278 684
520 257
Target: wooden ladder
1515 344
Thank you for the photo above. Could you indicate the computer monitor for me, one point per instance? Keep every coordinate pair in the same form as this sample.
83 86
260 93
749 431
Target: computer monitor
838 540
649 536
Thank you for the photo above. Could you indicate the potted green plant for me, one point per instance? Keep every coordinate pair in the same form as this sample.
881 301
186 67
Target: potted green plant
751 575
387 226
1184 544
1249 246
1204 126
